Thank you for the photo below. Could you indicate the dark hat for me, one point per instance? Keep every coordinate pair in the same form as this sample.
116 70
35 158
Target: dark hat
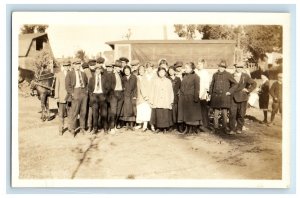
222 64
66 63
266 74
100 60
118 63
239 64
111 64
85 65
178 64
134 63
77 62
124 59
92 62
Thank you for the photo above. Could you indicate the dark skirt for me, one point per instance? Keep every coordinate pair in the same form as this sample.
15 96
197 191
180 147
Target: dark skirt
188 110
161 118
129 110
175 113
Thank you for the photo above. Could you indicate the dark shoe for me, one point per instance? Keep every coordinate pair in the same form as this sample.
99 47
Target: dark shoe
95 131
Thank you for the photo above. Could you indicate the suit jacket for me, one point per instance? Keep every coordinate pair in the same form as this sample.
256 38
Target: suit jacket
111 81
245 82
276 91
60 87
71 82
104 84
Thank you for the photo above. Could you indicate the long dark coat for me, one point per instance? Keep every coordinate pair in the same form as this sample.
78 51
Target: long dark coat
222 82
189 103
264 95
130 92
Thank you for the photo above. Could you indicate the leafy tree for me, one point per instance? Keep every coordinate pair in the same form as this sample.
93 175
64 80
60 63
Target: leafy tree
81 55
31 28
43 59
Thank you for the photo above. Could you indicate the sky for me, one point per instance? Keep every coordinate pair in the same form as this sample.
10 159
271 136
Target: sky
65 40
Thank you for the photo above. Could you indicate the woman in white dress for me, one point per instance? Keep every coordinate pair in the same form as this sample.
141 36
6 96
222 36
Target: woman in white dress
143 107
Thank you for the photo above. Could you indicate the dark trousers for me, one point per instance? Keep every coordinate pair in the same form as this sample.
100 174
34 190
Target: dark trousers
224 113
99 104
237 114
62 113
204 112
116 101
79 106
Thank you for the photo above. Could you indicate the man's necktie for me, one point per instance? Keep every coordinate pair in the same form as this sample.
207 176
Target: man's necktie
80 79
98 83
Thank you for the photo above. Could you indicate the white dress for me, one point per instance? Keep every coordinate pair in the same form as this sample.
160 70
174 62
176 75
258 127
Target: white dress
143 107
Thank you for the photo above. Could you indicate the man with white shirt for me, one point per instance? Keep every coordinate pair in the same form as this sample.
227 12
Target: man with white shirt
61 94
205 80
76 86
98 89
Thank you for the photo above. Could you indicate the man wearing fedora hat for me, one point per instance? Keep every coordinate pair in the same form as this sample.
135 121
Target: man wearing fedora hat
115 96
222 86
98 89
240 96
76 86
61 94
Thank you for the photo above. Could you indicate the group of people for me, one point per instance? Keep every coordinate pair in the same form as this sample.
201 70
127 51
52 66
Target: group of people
162 97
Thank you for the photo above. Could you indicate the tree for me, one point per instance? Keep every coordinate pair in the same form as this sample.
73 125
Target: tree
256 39
32 28
81 55
43 59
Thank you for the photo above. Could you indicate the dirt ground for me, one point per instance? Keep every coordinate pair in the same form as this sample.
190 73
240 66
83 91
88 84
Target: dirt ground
43 154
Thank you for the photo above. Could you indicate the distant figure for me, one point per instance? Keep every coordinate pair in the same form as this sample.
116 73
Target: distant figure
264 96
276 93
61 94
222 87
240 96
76 86
128 113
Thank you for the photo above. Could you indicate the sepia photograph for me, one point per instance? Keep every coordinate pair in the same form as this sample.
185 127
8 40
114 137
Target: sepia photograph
150 99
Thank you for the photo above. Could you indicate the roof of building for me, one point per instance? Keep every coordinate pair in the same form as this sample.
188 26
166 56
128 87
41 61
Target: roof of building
113 43
25 41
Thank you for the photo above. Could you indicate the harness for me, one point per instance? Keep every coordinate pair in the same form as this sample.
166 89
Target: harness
39 79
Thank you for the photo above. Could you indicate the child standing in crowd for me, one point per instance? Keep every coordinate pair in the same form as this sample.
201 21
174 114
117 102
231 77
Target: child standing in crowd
176 83
143 106
161 99
130 93
221 88
189 111
205 80
264 96
276 93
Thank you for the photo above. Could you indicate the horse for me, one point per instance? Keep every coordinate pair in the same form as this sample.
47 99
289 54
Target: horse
43 86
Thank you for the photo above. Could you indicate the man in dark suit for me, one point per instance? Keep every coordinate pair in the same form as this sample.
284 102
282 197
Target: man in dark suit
240 98
98 89
115 94
76 86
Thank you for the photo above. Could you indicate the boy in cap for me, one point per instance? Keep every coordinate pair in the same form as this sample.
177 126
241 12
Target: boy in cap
91 63
276 93
124 61
115 94
240 96
178 69
134 66
61 94
76 86
222 86
98 89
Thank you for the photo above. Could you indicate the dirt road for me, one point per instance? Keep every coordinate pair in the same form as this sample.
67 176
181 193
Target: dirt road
254 154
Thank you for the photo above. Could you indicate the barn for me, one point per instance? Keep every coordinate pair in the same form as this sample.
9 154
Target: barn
175 50
30 45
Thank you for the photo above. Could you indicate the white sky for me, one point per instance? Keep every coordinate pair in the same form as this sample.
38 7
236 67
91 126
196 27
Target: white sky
66 39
